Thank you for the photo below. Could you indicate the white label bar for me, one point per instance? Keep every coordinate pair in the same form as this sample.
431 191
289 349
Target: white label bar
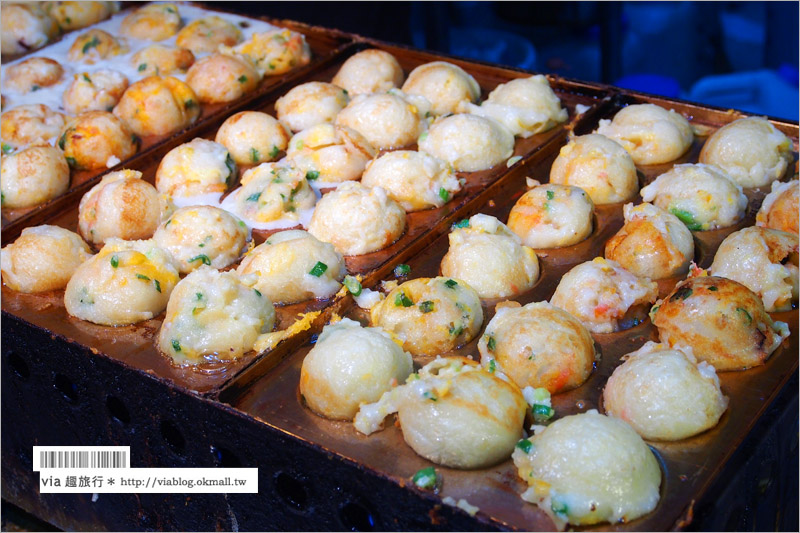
80 457
149 480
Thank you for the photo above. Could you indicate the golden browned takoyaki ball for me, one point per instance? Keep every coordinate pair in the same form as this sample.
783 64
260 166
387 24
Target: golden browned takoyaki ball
552 216
31 124
468 142
26 27
32 74
444 85
779 209
219 78
160 60
33 176
76 15
330 154
273 52
369 71
386 120
253 137
98 91
311 103
198 167
158 106
96 45
97 139
153 22
206 34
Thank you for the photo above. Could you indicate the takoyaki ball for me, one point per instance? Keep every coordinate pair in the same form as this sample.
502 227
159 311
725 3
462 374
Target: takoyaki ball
415 180
649 133
76 15
652 244
160 60
538 345
599 166
26 27
293 266
386 120
445 85
33 176
330 154
763 260
719 321
153 22
273 52
125 283
490 258
779 209
158 106
31 124
218 79
43 258
552 216
273 191
600 292
664 394
122 205
195 168
32 74
311 103
96 45
701 196
357 220
202 235
205 35
97 139
212 317
369 71
99 91
589 468
253 137
453 413
752 151
349 366
525 106
430 315
468 142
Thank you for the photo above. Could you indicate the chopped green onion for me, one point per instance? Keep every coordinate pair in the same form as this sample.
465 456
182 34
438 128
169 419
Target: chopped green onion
550 195
242 224
189 104
451 283
274 152
7 149
681 294
135 139
427 478
242 78
299 144
463 223
142 67
492 366
91 44
143 277
746 314
402 270
62 140
86 78
258 292
455 331
654 309
176 345
525 445
35 88
202 257
513 160
542 413
491 343
426 306
687 218
254 156
199 295
713 289
311 175
318 269
430 396
422 137
353 285
114 261
401 300
253 197
444 194
71 162
157 284
559 507
230 164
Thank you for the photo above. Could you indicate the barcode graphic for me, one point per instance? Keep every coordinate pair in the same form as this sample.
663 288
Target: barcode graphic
89 457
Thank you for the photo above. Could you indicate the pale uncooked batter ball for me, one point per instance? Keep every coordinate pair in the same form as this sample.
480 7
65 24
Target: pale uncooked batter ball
153 22
160 60
599 166
96 45
330 154
33 176
43 258
31 124
650 133
195 168
253 137
96 91
652 244
600 293
349 366
311 103
430 316
273 52
32 74
415 180
719 321
205 35
664 394
386 120
468 142
750 150
213 316
358 220
490 258
525 106
219 79
293 266
701 196
97 139
202 235
588 468
552 216
369 71
125 283
26 26
272 192
76 15
158 106
122 205
444 85
453 413
779 209
538 345
763 260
